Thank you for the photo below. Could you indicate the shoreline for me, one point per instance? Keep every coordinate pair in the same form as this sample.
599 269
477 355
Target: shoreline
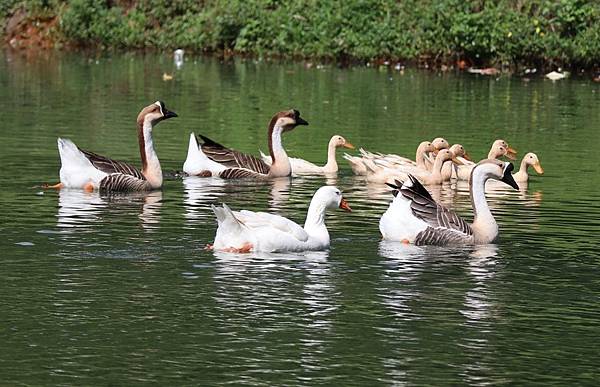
30 31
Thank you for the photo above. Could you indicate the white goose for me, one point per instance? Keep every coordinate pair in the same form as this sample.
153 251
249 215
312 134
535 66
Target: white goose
499 149
89 171
530 159
246 231
301 166
213 159
414 217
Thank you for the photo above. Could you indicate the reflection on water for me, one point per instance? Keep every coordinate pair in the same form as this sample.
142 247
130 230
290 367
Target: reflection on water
77 209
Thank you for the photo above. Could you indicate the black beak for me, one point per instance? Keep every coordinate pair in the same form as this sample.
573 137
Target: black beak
508 178
168 114
299 120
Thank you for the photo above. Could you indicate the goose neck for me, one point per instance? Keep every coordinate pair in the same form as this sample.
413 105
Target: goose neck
150 164
315 220
484 225
280 163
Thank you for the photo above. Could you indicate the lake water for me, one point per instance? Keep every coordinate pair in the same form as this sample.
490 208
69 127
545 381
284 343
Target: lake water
118 290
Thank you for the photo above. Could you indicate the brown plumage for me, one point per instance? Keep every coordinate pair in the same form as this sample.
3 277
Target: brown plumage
108 165
232 158
446 227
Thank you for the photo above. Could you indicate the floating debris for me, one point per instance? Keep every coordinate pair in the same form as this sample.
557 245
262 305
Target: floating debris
167 77
555 75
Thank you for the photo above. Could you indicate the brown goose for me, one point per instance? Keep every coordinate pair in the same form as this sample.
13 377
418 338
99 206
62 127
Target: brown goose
213 159
89 171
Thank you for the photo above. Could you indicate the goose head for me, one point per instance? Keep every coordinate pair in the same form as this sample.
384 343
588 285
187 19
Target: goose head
288 120
459 151
440 143
332 198
510 153
339 141
155 113
497 170
532 159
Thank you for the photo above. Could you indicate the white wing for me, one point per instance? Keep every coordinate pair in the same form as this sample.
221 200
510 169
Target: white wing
254 220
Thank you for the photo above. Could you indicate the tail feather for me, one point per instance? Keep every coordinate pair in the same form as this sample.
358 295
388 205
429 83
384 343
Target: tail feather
70 155
226 218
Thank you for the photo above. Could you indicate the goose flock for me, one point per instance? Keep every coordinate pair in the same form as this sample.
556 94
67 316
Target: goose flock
413 216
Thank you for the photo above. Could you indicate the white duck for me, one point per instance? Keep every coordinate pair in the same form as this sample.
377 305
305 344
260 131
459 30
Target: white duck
89 171
448 169
247 231
499 149
530 159
383 174
414 217
213 159
422 157
301 166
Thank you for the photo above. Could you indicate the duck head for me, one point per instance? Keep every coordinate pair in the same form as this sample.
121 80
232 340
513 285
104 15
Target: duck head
439 143
459 151
510 153
532 159
339 141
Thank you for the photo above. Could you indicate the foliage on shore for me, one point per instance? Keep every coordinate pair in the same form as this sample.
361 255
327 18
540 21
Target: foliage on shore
480 32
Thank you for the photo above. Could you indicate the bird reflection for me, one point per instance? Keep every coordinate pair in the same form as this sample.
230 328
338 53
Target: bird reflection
200 192
77 209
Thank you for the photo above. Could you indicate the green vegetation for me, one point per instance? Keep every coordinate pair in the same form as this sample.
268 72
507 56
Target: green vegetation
500 32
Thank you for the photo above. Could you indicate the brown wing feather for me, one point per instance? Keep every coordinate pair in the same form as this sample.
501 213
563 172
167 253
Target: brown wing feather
112 166
240 173
437 216
119 182
232 158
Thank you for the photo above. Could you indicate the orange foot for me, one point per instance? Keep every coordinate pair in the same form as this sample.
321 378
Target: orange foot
246 248
405 241
55 186
209 246
89 187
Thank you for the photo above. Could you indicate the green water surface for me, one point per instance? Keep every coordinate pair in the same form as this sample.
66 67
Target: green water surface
99 290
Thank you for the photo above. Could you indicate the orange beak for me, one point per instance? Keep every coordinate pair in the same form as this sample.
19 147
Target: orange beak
538 168
457 161
511 153
467 157
348 145
344 205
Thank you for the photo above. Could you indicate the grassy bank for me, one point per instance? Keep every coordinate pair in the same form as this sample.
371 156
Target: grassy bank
502 32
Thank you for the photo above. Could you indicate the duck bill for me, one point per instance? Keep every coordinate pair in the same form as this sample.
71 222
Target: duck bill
457 161
344 205
511 153
508 177
467 157
538 168
348 145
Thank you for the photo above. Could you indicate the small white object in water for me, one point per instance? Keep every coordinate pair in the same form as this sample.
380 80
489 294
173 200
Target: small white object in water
555 76
178 57
25 243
